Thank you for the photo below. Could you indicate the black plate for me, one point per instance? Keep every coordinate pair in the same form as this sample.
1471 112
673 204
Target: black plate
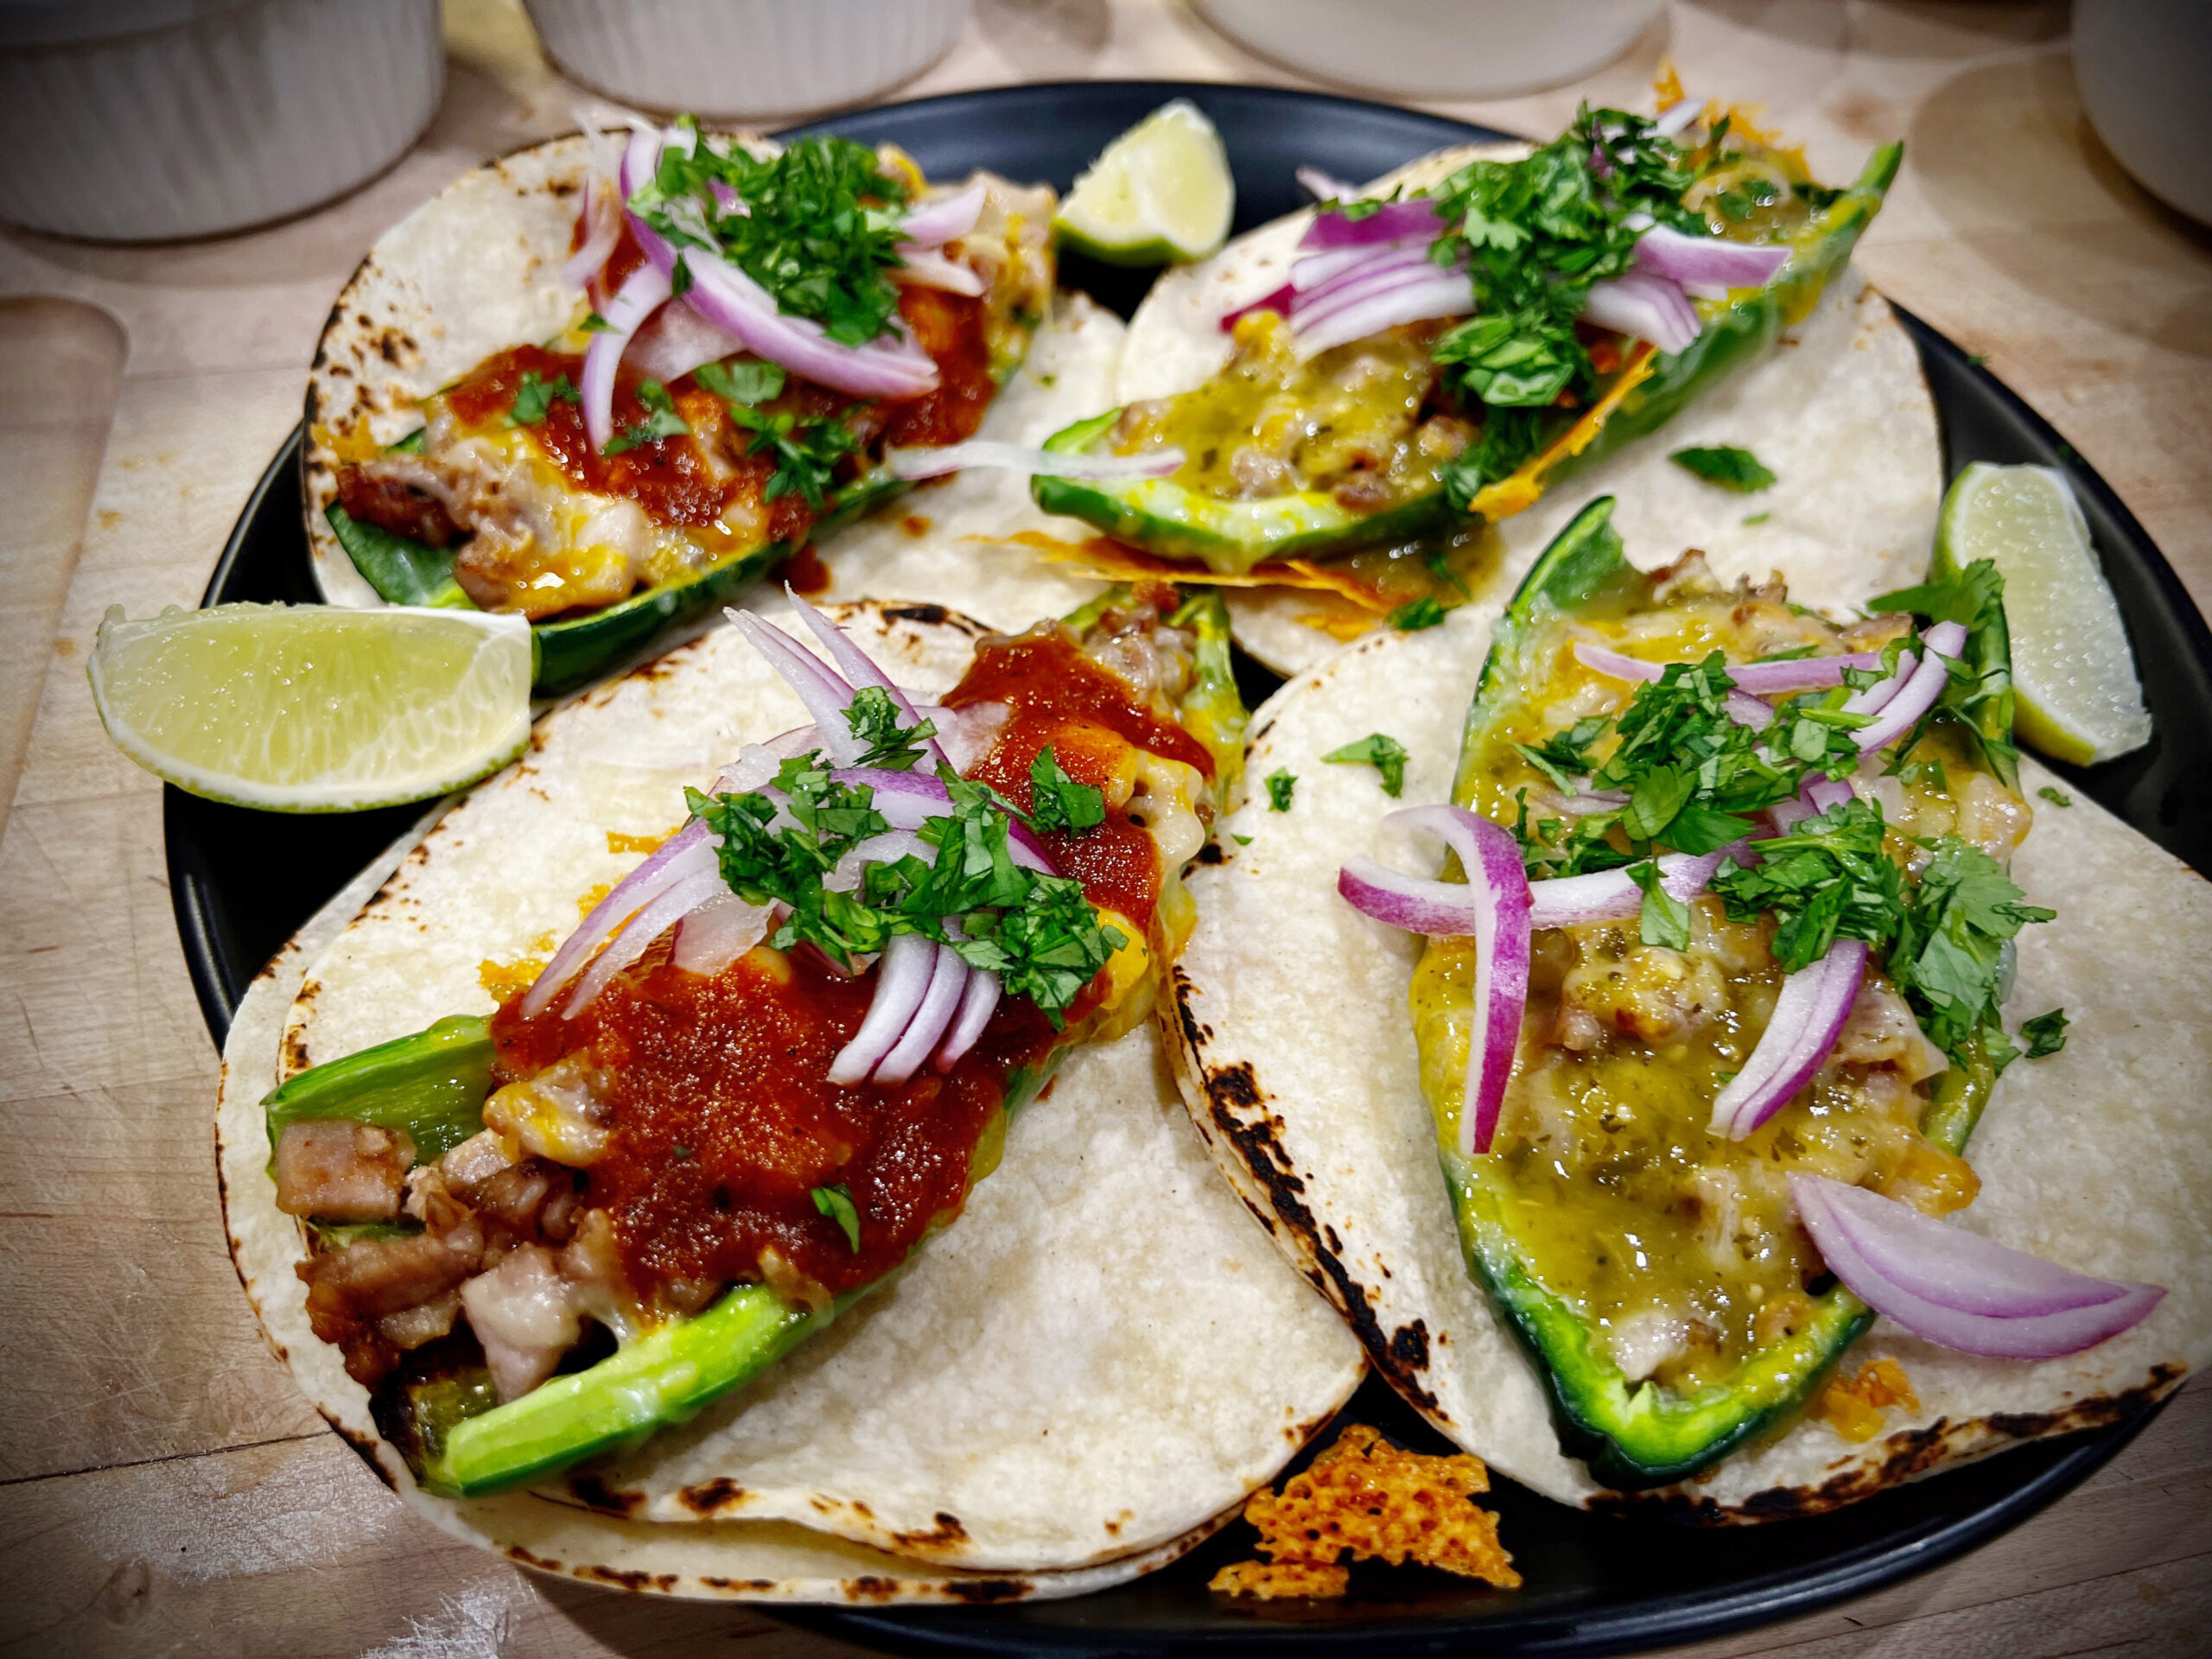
243 882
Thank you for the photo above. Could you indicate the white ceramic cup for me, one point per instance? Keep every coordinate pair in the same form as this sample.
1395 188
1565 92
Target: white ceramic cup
2145 72
1436 48
145 120
747 58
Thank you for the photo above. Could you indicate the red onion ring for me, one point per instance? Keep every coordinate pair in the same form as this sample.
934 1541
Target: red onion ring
668 864
697 887
1919 692
825 695
718 932
1959 1290
1808 1017
676 340
977 1003
1707 259
934 462
1392 221
940 1003
902 980
1646 308
602 217
642 292
860 669
1613 896
1348 273
927 268
1742 707
1423 299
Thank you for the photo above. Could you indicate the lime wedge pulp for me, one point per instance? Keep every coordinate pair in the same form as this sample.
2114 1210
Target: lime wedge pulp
1161 193
2078 696
315 709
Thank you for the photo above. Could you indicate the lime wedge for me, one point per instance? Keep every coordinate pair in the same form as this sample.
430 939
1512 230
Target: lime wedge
1161 193
313 708
2078 696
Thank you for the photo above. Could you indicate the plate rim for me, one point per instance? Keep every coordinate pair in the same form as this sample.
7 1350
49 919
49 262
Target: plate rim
1648 1622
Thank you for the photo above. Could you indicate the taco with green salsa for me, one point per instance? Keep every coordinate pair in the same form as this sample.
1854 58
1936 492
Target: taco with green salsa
1764 1104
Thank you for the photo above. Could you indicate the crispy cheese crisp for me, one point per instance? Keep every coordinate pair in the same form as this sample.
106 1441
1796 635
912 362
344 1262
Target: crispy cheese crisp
1377 1501
1854 1408
1271 1580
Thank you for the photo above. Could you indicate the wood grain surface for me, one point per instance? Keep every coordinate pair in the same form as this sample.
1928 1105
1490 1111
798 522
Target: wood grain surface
163 1488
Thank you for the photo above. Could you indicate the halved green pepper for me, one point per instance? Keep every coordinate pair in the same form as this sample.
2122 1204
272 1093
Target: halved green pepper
1230 536
1636 1435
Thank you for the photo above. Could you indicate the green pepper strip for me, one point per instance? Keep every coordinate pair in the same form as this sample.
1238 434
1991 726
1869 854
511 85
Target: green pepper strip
431 1083
1636 1435
1229 538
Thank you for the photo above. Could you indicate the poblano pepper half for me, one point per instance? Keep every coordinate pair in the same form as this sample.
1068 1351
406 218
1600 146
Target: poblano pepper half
1654 1269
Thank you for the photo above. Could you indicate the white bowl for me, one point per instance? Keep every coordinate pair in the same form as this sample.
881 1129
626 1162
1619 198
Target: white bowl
145 120
1436 48
750 58
2145 72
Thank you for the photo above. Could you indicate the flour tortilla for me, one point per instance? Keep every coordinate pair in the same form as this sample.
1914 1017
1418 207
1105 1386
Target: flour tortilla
1839 412
1068 1387
2099 1157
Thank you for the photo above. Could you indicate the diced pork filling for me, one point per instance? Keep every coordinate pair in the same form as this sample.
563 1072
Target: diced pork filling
341 1170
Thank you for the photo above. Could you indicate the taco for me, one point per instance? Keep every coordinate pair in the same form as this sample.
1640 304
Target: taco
607 386
1741 996
689 1257
1356 447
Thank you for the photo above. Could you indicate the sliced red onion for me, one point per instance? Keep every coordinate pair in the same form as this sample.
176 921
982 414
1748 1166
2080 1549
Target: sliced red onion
1824 794
1360 287
1278 302
977 1003
1812 800
1712 261
1678 116
1423 298
888 847
860 670
718 932
1872 699
602 217
1322 186
1646 308
1918 694
968 733
920 462
1316 276
1616 664
1589 803
1613 896
927 268
642 291
674 859
945 219
698 888
1747 710
1799 673
1961 1289
1393 221
825 695
940 1004
757 764
891 366
675 341
909 799
1491 907
903 975
1808 1017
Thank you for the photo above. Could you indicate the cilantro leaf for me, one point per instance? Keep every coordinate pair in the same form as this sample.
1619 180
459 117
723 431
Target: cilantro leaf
742 381
534 398
1723 465
806 451
2046 1033
595 324
837 1202
2056 796
1659 794
1665 919
1385 753
1423 612
661 421
1058 802
1280 782
874 720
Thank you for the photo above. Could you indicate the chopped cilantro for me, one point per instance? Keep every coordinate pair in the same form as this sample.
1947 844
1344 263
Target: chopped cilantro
1977 358
1385 753
2056 796
817 225
595 324
1242 841
837 1202
1423 612
874 718
661 421
1929 773
1757 517
679 277
680 1151
1279 786
1037 932
1665 919
1058 802
2046 1033
1979 698
1439 567
534 398
741 382
806 451
1725 465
